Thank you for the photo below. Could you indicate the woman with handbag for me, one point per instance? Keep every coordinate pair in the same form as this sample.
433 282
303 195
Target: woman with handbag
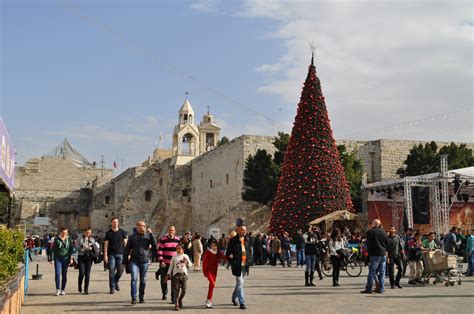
88 252
336 245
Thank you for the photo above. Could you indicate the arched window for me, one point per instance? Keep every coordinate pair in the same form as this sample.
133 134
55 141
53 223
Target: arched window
148 195
107 199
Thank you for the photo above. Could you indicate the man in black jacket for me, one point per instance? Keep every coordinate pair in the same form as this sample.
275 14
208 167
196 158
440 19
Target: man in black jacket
137 254
238 253
300 247
395 257
377 245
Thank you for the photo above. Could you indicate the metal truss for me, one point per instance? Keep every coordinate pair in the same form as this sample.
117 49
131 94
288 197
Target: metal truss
444 206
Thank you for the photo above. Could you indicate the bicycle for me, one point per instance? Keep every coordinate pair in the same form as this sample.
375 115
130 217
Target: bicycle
352 266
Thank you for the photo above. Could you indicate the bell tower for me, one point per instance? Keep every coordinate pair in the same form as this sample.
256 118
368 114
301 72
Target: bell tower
208 132
186 134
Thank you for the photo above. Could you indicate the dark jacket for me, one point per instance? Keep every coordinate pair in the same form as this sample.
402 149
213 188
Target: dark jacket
285 243
312 248
235 249
450 243
299 241
395 247
377 242
138 247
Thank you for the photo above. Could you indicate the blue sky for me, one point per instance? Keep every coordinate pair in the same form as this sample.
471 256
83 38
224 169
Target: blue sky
111 75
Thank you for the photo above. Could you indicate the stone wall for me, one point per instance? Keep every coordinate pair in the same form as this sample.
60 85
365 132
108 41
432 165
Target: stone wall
382 158
395 152
56 188
217 178
256 216
159 194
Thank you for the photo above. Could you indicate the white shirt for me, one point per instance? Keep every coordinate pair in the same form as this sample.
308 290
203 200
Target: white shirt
178 267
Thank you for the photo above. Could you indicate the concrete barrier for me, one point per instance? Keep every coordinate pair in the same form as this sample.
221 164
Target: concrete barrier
12 293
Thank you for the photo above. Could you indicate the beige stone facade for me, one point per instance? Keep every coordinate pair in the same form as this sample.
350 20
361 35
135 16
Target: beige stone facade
382 158
217 178
55 187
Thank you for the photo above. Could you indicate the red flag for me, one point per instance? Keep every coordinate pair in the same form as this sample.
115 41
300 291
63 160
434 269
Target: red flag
115 164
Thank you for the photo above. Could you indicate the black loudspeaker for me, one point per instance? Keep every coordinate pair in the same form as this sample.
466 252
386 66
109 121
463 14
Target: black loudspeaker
420 197
405 220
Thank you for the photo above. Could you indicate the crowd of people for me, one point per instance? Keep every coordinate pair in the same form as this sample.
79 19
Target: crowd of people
381 250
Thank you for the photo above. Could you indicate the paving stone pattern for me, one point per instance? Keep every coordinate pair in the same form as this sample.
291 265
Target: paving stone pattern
268 290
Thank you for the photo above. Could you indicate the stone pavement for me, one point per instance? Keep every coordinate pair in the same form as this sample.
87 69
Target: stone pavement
272 289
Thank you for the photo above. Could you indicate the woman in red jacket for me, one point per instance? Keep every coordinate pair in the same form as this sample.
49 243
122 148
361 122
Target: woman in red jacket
210 261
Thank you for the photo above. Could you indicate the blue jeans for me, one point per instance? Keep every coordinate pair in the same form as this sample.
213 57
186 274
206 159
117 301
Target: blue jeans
471 263
300 257
115 269
137 268
288 256
311 261
376 269
60 270
239 288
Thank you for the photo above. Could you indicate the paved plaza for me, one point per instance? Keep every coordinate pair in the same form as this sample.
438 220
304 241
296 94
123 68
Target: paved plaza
268 290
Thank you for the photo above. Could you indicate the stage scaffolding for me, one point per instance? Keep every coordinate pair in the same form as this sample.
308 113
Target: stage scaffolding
438 185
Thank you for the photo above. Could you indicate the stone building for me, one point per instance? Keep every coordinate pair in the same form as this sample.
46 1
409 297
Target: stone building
58 186
195 185
217 178
382 158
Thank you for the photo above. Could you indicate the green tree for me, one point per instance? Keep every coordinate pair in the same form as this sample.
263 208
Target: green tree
280 143
421 160
458 156
4 206
260 178
222 141
353 169
426 159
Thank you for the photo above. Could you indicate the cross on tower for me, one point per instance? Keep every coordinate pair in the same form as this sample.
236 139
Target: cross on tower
187 93
208 107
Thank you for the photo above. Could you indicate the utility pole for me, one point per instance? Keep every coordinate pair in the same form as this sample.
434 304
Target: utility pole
102 165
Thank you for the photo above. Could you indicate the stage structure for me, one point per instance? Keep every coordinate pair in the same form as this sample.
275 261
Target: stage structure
398 195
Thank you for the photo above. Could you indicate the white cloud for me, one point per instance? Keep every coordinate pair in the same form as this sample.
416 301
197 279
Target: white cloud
206 6
269 68
379 62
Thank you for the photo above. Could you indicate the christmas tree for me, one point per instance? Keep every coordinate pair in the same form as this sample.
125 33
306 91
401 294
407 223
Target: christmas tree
312 182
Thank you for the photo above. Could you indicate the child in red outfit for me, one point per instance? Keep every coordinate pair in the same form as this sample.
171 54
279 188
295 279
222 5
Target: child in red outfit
210 261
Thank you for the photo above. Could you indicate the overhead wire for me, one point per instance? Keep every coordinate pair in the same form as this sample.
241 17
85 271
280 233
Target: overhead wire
410 123
150 55
170 68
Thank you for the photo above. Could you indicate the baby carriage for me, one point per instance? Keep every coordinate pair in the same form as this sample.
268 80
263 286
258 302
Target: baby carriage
441 267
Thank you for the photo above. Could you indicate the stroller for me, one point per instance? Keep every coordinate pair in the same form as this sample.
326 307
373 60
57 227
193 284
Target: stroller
441 267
